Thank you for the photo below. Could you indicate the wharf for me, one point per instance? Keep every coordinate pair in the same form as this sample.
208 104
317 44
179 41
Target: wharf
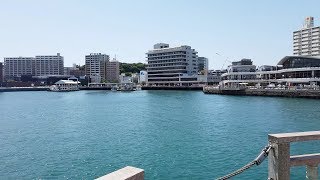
187 88
14 89
94 88
294 93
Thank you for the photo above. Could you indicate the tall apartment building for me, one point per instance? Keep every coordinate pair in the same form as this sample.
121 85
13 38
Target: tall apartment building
306 41
203 64
1 72
17 66
172 66
96 66
112 71
49 65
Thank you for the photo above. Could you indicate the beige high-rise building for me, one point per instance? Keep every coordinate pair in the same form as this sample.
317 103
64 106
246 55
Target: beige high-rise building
96 66
306 41
112 71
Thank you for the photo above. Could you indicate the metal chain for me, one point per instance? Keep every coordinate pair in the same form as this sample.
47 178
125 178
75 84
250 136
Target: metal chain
257 161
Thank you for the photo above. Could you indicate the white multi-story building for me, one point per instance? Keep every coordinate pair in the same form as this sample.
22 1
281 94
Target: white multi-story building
17 66
172 66
96 66
143 77
306 41
290 71
49 65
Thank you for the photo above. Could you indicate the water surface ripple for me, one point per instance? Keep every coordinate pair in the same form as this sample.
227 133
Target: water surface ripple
169 134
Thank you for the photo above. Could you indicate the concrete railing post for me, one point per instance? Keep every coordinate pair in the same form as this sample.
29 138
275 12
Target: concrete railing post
312 172
126 173
279 161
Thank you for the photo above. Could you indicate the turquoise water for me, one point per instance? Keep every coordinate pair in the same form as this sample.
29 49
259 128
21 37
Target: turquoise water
169 134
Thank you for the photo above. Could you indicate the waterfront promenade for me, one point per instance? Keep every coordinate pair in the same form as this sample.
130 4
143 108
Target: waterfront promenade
14 89
293 93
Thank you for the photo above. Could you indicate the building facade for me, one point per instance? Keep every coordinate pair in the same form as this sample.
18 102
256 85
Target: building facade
143 77
172 66
306 41
96 66
112 71
1 73
17 66
203 64
49 65
290 71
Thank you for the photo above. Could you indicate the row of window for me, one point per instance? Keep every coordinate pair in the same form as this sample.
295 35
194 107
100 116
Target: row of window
168 57
167 53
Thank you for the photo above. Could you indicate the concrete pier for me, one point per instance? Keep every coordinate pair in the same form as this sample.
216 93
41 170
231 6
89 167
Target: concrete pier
294 93
13 89
126 173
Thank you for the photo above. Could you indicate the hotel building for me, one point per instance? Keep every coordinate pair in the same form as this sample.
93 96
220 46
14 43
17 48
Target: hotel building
172 66
306 41
96 66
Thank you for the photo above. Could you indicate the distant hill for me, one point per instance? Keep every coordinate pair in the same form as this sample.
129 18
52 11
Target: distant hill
130 68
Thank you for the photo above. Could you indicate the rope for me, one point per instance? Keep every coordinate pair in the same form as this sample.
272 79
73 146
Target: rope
257 161
239 171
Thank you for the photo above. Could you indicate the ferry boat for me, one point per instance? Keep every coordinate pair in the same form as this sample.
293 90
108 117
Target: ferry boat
65 85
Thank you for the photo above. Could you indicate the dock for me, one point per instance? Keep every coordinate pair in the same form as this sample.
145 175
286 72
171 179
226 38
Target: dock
186 88
293 93
14 89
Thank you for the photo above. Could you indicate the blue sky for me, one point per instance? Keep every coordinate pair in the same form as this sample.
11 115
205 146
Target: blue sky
256 29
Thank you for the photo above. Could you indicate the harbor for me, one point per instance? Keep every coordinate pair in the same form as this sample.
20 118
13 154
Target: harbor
87 134
160 90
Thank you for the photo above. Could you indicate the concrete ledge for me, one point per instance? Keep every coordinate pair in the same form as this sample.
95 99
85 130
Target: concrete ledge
299 93
305 159
126 173
188 88
294 137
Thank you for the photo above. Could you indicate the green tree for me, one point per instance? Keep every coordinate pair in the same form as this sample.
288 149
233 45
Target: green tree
132 67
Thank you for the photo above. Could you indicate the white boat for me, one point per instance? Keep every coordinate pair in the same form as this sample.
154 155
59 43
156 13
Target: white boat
126 87
65 85
114 88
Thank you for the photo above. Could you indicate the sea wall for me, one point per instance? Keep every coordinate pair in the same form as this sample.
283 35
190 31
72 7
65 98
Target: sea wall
294 93
192 88
13 89
94 88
